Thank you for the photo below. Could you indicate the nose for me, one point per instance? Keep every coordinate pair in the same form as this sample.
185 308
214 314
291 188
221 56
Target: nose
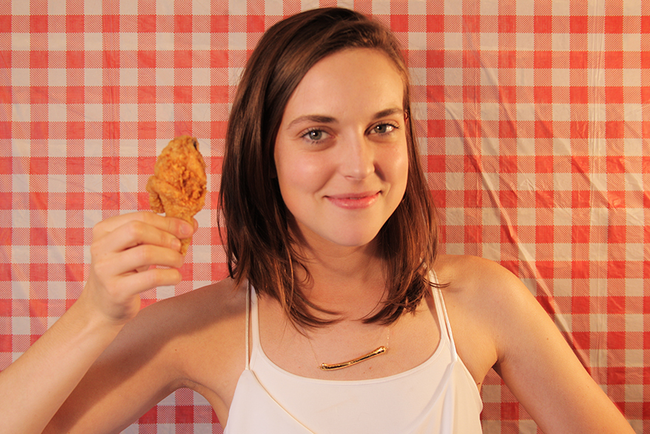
357 157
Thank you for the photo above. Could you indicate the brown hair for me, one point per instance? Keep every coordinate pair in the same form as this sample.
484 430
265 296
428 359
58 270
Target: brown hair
259 243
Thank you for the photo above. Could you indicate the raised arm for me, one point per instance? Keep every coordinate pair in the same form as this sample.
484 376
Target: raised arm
123 252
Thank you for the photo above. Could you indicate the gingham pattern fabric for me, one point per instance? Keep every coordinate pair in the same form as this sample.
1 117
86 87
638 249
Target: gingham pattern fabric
533 124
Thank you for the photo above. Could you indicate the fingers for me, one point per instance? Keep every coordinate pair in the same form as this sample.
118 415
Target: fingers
137 259
133 234
133 284
177 227
130 254
137 241
131 230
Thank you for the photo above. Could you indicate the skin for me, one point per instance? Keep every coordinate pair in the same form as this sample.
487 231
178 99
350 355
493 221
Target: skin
342 162
104 362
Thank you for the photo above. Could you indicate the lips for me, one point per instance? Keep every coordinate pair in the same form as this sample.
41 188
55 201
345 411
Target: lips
354 200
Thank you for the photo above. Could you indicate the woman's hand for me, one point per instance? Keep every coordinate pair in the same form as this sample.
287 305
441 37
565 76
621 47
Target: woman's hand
130 254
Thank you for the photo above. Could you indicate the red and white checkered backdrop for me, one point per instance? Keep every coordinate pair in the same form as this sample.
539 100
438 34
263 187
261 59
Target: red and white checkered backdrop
533 126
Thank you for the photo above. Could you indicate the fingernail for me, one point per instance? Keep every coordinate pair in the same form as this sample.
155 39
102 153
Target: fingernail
176 244
186 229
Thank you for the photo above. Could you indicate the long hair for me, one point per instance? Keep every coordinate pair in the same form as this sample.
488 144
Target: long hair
258 238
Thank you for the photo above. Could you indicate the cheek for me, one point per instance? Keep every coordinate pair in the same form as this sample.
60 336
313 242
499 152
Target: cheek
403 164
298 174
397 165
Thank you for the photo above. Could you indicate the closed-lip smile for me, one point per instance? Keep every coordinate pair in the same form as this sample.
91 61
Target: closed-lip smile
354 200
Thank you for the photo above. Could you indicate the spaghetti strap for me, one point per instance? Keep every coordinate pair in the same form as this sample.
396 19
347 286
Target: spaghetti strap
443 317
248 315
438 396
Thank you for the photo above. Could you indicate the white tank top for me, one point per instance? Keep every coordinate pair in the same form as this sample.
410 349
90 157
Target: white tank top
438 396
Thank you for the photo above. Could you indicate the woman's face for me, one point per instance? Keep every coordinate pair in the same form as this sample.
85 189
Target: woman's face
341 151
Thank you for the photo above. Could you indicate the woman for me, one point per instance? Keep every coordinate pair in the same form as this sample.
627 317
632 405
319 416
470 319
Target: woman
336 317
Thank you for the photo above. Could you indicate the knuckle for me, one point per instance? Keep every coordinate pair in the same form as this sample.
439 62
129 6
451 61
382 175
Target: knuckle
135 230
147 217
155 278
175 277
146 254
180 260
95 250
172 242
99 230
102 269
162 277
171 225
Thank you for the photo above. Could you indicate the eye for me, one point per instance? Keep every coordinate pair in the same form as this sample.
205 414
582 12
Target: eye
315 135
384 128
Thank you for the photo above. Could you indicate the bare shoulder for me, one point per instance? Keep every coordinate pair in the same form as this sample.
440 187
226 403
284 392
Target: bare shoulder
482 287
496 321
486 291
484 301
466 273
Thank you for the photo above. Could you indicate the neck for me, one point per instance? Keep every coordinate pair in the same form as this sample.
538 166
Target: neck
350 281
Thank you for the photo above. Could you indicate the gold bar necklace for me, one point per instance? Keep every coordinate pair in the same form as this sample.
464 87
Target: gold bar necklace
370 355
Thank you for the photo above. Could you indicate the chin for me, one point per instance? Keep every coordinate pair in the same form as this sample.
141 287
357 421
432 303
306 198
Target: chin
354 240
340 233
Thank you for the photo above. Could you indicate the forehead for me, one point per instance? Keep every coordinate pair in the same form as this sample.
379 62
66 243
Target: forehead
362 78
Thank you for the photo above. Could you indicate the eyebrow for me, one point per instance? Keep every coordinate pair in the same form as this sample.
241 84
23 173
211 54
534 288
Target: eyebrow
322 119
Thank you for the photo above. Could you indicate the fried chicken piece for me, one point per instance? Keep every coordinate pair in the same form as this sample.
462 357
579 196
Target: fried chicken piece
178 186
